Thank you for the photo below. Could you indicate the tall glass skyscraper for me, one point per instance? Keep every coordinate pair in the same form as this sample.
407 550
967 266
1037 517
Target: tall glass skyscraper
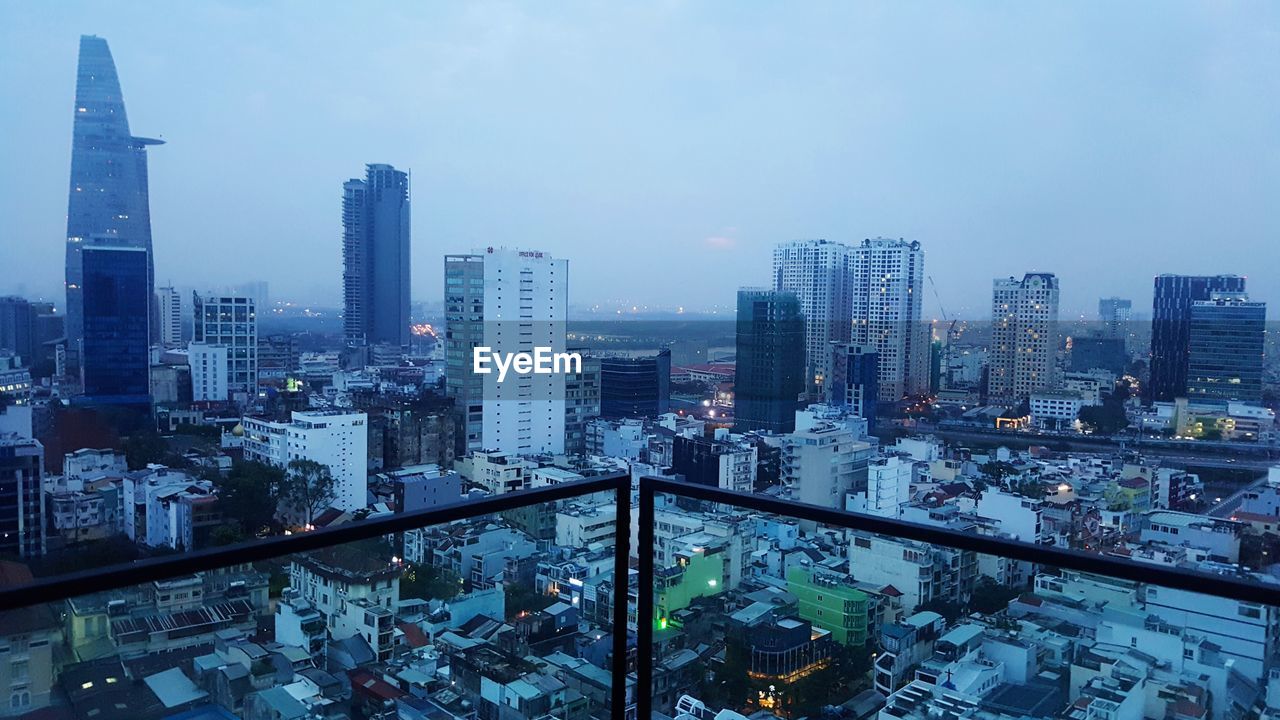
108 194
770 374
375 257
635 386
115 369
1228 334
1171 328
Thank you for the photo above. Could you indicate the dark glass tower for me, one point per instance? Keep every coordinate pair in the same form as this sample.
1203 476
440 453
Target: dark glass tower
1228 333
635 386
116 365
108 195
771 359
375 257
1171 328
855 380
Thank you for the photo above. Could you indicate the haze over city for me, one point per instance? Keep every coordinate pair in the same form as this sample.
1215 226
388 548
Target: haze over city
665 148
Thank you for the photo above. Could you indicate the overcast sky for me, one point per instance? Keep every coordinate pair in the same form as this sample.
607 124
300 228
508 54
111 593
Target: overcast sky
664 147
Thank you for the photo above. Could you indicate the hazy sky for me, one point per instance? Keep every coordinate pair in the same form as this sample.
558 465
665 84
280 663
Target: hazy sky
664 147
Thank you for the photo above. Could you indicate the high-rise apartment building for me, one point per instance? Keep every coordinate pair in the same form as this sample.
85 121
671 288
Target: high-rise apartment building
769 376
337 439
819 273
581 402
209 372
1024 337
115 332
1114 314
169 302
888 285
510 301
1225 359
230 321
375 258
108 193
1171 328
855 380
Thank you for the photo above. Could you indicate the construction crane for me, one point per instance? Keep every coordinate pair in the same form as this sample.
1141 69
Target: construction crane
942 309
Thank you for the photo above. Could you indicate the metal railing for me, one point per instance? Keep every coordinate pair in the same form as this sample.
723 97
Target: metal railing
1204 583
69 586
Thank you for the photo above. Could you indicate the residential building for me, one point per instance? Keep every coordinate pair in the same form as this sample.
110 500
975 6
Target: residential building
1114 314
831 602
819 274
888 486
855 380
419 487
1171 328
337 439
1024 342
113 325
888 288
169 305
770 360
210 371
334 579
229 321
29 638
169 508
510 301
635 386
1225 357
107 197
375 258
822 464
725 461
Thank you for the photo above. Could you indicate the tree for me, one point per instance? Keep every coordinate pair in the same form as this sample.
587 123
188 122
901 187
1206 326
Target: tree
428 582
997 469
990 597
144 448
308 487
249 496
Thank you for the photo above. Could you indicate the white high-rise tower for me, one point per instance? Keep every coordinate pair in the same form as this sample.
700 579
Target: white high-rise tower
1024 337
887 287
818 273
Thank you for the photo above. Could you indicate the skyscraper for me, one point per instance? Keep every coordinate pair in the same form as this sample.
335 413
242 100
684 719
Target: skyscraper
115 367
1225 358
818 272
108 195
888 284
375 257
1024 337
229 321
510 301
18 328
1171 328
1114 314
769 376
169 302
22 502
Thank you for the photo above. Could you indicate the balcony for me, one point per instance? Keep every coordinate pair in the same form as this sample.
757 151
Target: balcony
737 633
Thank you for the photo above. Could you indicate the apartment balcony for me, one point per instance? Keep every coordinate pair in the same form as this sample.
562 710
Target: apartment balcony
1010 649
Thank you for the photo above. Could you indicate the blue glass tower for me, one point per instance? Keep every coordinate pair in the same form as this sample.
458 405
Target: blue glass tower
108 194
375 256
770 361
115 369
635 386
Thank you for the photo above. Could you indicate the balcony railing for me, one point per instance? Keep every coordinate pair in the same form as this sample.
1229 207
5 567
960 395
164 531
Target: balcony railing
796 646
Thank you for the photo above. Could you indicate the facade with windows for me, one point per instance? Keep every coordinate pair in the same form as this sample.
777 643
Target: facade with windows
230 322
888 288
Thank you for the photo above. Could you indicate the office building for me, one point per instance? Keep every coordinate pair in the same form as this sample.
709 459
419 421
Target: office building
1099 353
230 321
1114 314
510 301
169 303
1171 328
581 402
770 360
855 380
337 439
22 503
108 190
635 386
375 258
1225 360
888 287
18 328
819 273
1024 337
116 366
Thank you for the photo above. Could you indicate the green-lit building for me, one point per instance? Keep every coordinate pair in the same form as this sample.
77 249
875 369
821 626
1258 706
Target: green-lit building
830 603
698 572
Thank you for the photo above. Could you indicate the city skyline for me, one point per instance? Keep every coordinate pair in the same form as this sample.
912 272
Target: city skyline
698 195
